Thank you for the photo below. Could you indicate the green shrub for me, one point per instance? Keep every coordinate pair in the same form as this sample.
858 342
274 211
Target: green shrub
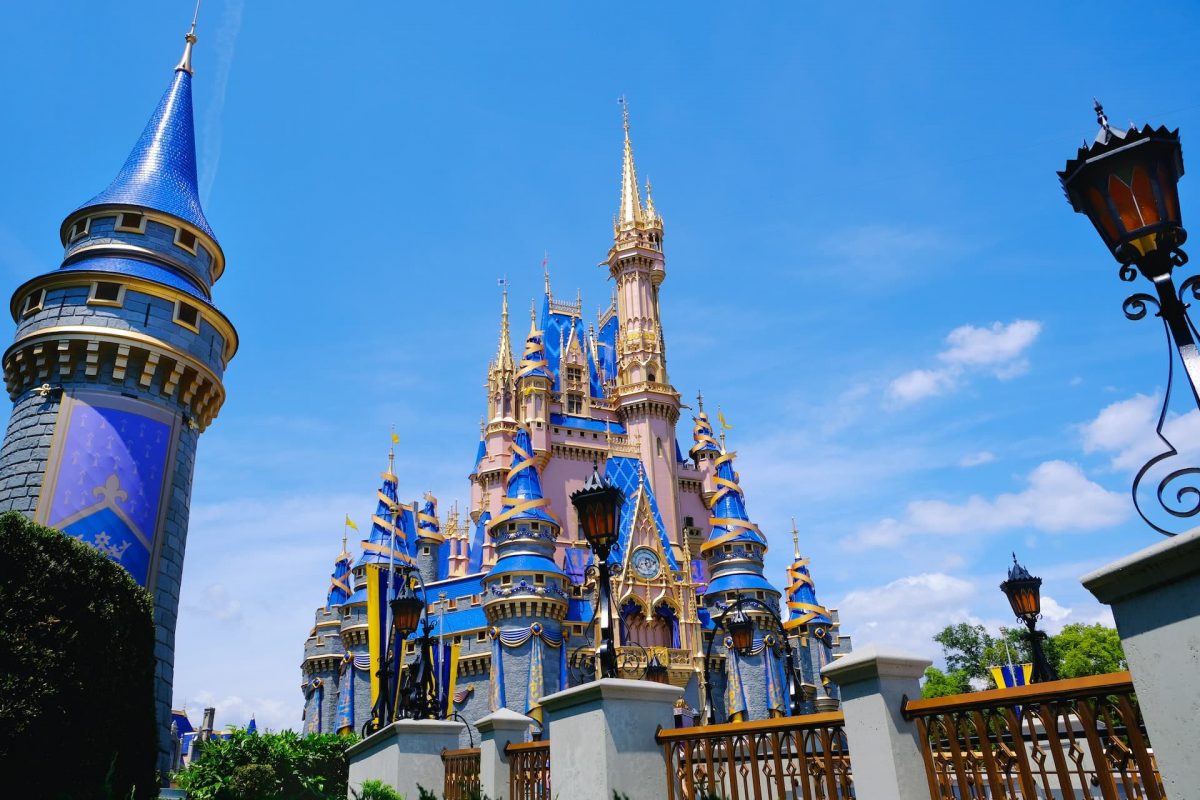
375 790
76 670
269 766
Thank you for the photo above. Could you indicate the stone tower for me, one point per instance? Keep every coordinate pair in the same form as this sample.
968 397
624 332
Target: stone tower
116 368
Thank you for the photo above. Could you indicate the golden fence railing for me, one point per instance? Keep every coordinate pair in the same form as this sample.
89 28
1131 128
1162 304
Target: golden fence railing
528 770
800 758
462 773
1074 739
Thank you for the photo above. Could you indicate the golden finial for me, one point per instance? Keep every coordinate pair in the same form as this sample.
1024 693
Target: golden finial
392 452
185 63
504 358
650 212
546 270
795 539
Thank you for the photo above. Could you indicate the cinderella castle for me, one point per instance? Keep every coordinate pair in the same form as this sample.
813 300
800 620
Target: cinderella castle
507 582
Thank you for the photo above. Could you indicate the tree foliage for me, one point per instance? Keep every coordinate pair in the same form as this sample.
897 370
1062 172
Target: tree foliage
971 651
270 766
76 669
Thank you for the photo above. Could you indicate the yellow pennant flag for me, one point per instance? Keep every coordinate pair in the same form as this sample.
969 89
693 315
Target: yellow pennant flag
350 523
721 417
395 438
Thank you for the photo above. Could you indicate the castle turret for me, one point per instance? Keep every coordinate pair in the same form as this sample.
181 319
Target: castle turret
324 654
813 631
431 560
534 382
116 369
647 403
525 592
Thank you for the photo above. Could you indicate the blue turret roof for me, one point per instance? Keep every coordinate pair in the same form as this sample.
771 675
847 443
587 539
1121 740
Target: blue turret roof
533 362
702 435
802 603
377 546
728 517
160 172
524 499
428 525
339 581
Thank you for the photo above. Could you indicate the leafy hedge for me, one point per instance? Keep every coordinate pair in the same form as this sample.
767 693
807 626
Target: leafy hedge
270 766
76 669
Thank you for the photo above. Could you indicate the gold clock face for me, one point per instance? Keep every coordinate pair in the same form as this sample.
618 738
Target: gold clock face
645 563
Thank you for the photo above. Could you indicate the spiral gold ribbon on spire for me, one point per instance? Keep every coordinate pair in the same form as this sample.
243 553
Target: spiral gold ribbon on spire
734 527
514 506
702 433
534 356
801 613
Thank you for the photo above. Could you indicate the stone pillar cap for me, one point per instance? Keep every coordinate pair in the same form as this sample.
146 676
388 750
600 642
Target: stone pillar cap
420 727
504 718
875 662
1157 565
612 689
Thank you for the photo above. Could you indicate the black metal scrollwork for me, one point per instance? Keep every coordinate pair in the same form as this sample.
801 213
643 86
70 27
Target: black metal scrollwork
1135 305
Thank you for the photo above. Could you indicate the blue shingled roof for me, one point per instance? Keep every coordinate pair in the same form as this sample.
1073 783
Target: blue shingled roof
139 269
622 472
525 484
463 619
740 581
583 423
160 172
606 347
732 505
805 594
525 563
475 554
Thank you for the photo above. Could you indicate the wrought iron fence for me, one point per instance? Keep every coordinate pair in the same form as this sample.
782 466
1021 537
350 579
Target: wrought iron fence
528 770
1075 739
462 773
790 758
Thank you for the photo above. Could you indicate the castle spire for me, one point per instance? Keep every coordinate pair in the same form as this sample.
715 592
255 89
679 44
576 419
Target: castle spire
631 214
795 540
504 359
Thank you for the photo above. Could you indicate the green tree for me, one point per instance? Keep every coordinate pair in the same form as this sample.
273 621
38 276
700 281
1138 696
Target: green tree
76 670
270 766
941 684
1088 650
965 648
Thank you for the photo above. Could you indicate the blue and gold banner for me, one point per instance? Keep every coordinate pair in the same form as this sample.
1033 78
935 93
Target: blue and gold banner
345 708
108 477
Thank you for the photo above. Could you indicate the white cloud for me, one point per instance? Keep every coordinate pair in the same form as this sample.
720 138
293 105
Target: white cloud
907 612
977 459
1126 431
999 344
225 42
236 711
216 600
998 348
1058 497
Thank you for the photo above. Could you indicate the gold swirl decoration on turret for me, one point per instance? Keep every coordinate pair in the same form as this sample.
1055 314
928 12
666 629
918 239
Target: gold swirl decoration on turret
514 506
734 527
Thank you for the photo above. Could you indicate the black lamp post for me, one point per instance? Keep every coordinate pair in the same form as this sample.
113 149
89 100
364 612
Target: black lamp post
741 634
417 696
1024 593
1126 182
596 504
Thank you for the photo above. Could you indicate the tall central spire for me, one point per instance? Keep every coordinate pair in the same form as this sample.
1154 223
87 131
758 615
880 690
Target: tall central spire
631 213
504 359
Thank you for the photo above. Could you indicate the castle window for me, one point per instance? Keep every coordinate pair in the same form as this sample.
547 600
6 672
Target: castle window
574 374
506 580
452 605
512 526
481 636
186 240
425 550
535 526
475 599
658 442
539 580
132 222
33 302
650 376
106 293
79 229
187 315
574 404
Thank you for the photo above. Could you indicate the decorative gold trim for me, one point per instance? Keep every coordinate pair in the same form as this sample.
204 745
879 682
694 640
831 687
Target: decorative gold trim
118 248
92 300
217 265
58 280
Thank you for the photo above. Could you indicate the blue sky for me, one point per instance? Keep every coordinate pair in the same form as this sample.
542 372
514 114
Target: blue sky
871 268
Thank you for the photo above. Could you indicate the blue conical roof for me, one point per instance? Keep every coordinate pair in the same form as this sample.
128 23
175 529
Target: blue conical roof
524 499
728 517
160 172
802 597
702 435
428 525
533 361
339 581
377 547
